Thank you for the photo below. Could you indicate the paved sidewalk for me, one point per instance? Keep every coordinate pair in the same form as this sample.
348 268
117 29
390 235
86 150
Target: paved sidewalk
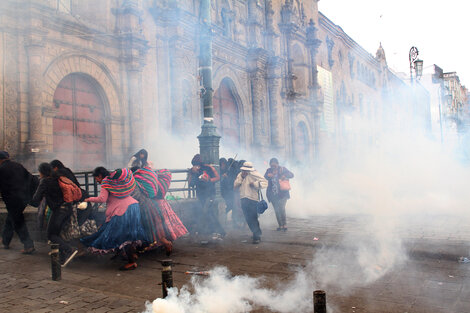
429 280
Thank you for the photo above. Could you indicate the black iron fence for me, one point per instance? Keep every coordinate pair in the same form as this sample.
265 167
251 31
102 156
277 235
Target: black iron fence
179 188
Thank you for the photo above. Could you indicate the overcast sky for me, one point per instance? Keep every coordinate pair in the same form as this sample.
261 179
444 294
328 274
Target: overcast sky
439 29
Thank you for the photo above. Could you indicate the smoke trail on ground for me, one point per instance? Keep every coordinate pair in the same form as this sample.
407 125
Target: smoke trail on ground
222 293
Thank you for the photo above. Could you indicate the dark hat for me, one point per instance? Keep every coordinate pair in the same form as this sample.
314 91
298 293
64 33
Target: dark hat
196 160
4 155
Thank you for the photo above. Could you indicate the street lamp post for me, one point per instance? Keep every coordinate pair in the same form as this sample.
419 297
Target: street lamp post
415 64
209 138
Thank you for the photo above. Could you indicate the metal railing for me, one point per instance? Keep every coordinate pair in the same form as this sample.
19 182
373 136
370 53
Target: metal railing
179 187
182 185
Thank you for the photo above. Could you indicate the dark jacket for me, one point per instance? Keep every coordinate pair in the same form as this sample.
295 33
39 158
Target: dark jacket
17 185
204 189
226 186
49 188
271 193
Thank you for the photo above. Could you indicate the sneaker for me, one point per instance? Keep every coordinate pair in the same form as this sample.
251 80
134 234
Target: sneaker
217 236
28 251
128 267
256 241
6 247
279 229
68 257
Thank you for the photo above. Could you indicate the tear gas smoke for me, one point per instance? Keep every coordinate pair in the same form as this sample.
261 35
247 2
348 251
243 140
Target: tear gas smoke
222 293
383 182
382 174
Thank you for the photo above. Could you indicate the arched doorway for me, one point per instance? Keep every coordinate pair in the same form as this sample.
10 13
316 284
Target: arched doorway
301 142
79 128
226 116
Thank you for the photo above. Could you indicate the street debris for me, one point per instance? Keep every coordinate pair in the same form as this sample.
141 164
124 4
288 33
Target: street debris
63 302
315 238
202 273
463 259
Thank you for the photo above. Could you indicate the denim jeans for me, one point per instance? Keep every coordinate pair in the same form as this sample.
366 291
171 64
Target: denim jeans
251 216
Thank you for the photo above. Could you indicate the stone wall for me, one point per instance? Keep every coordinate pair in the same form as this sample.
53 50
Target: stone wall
143 55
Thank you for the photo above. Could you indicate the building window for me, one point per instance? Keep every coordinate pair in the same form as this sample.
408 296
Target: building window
325 80
330 44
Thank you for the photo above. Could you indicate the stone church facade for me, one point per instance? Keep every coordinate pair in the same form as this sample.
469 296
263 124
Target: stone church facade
90 81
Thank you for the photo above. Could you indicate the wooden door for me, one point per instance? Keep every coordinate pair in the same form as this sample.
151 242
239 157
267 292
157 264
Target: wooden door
79 129
226 116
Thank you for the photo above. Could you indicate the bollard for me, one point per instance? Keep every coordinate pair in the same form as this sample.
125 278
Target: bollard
167 277
319 301
55 262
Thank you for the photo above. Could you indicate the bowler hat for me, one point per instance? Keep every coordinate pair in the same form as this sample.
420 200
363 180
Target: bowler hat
4 155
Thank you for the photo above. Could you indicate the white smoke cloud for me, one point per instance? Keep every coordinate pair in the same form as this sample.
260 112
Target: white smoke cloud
383 185
403 174
222 293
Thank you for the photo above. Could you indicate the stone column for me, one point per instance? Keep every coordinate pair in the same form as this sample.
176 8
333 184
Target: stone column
134 81
134 47
316 96
175 55
255 28
288 28
257 60
274 79
36 144
275 102
256 98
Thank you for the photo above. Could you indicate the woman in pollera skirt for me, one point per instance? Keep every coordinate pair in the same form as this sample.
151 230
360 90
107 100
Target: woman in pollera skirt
123 227
161 223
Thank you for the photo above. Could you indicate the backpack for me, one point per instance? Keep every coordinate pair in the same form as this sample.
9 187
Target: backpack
70 191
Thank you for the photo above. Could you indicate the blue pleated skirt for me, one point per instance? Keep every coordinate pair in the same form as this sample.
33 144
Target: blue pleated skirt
118 232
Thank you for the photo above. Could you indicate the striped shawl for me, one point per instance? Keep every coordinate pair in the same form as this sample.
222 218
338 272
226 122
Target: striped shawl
119 183
147 180
164 181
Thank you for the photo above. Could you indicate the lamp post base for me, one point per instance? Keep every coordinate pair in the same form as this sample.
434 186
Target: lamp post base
209 141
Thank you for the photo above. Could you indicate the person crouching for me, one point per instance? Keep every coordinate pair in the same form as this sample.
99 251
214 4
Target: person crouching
250 182
49 188
123 230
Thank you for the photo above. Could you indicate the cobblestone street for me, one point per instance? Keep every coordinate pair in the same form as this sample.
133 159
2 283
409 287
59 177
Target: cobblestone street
430 280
